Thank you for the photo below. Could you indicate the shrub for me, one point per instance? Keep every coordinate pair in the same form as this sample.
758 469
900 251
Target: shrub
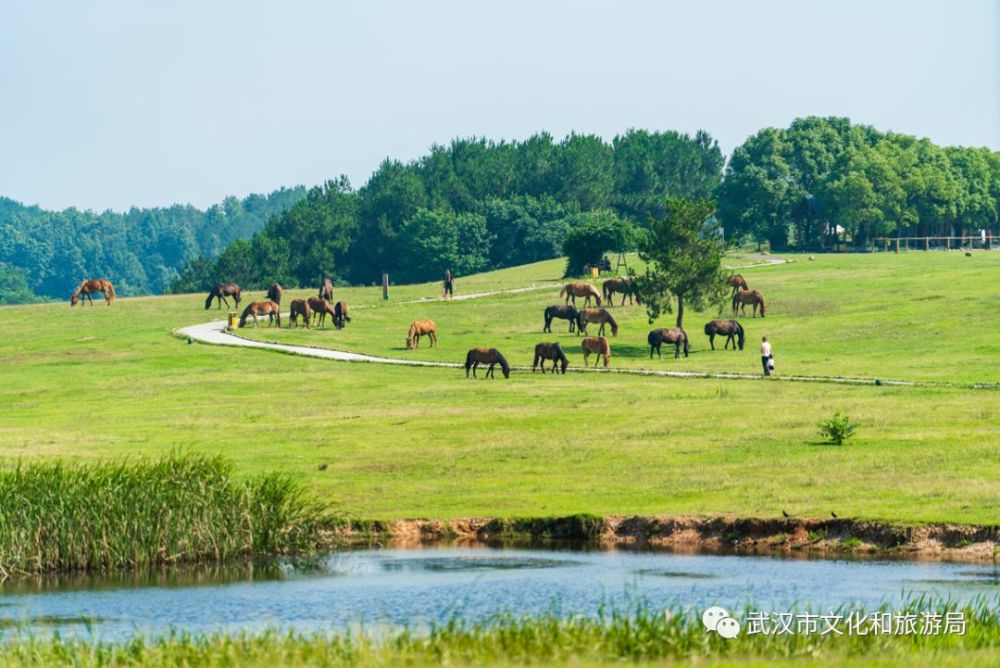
837 429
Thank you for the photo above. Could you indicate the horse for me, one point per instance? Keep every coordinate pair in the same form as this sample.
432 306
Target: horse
743 297
274 293
580 289
737 282
490 356
88 286
562 312
326 290
549 351
600 315
727 328
674 335
420 328
596 344
321 308
254 309
299 307
220 292
340 315
625 285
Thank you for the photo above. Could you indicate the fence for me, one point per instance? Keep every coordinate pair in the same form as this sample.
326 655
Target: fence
898 244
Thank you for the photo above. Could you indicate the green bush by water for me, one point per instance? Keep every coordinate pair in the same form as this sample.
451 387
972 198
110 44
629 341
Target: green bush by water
57 517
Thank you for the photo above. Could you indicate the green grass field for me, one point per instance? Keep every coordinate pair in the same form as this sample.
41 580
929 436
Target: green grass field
424 442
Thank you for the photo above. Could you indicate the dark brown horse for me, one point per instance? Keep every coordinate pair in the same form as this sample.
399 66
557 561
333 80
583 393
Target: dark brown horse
321 308
220 292
596 344
562 312
326 290
490 356
299 308
549 351
625 285
737 282
255 309
598 315
674 335
580 289
89 286
420 328
743 297
274 293
340 317
727 328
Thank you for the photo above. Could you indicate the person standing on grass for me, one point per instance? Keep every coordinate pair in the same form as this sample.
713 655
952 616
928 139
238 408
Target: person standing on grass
449 284
766 356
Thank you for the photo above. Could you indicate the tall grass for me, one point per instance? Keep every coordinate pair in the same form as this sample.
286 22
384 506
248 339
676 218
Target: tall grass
639 636
60 517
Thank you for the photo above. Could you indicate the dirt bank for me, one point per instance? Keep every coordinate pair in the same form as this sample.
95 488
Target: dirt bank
791 537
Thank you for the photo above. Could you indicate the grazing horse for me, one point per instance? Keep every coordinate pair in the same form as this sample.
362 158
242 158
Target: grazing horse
674 335
737 282
420 328
326 290
490 356
743 297
727 328
254 309
580 289
549 351
299 307
625 285
274 293
340 315
321 308
596 344
599 315
220 292
562 312
88 286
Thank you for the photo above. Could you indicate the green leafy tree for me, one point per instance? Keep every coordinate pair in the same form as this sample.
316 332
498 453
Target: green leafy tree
593 234
683 253
435 240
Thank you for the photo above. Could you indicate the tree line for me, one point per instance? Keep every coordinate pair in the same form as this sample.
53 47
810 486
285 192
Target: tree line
44 254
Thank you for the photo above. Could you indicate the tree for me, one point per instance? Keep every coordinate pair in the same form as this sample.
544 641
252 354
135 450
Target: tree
683 253
432 241
593 234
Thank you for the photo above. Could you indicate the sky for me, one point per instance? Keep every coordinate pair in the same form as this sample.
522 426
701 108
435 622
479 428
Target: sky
112 104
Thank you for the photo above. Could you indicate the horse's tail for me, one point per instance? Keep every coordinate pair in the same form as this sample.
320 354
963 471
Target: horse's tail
614 325
468 357
652 337
565 291
739 333
246 312
208 300
503 363
686 346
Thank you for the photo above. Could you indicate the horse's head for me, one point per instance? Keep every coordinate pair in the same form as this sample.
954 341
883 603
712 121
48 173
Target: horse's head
409 343
73 299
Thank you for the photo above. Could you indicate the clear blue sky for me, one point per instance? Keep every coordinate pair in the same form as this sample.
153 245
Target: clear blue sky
110 104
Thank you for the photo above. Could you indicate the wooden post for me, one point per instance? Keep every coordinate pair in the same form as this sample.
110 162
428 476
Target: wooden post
897 244
927 243
385 286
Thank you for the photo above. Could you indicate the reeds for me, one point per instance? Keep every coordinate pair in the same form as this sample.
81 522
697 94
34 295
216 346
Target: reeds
60 517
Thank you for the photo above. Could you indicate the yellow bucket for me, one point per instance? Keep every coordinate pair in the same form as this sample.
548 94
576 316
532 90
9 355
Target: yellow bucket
234 319
595 272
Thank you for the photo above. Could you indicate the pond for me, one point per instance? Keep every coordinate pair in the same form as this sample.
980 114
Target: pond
422 586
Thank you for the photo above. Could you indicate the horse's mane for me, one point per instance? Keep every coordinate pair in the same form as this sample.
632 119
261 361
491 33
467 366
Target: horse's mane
739 330
502 360
612 322
246 312
561 354
605 346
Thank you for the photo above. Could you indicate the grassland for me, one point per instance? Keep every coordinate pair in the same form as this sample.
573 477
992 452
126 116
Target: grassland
411 442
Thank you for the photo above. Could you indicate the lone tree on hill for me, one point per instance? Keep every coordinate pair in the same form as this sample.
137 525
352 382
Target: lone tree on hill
683 254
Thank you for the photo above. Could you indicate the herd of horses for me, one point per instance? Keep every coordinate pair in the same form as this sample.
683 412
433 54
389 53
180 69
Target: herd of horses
314 310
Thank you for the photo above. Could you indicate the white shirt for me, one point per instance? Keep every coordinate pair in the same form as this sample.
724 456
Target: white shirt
765 349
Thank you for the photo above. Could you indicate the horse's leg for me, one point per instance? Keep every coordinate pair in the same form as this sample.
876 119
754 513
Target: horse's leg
90 299
711 341
475 365
489 372
677 350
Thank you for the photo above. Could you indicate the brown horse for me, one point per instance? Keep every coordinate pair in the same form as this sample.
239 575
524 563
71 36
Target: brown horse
299 307
596 344
340 316
254 309
490 356
89 286
274 293
562 312
743 297
598 315
728 328
321 308
549 351
220 292
580 289
326 290
420 328
625 285
737 282
674 335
